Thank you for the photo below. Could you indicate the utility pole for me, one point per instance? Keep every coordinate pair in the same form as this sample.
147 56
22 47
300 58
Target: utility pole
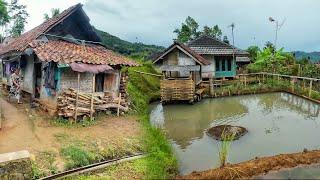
278 27
233 49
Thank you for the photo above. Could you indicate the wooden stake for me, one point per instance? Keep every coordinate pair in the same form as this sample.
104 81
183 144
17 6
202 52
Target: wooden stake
245 81
211 86
77 98
118 110
310 88
91 106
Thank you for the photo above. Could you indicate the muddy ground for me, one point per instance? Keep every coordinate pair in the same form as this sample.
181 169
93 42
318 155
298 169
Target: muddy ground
27 129
257 166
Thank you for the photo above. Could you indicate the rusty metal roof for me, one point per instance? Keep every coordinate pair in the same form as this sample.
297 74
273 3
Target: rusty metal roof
65 52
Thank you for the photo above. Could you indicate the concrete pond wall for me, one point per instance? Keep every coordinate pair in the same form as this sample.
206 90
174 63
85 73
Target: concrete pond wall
15 165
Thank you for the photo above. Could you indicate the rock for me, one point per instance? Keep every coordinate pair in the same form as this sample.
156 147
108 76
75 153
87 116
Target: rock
218 132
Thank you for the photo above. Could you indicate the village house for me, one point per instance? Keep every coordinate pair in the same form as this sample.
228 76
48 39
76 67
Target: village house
217 57
53 55
185 66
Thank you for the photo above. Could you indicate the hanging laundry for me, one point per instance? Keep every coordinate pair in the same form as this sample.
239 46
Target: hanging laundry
49 75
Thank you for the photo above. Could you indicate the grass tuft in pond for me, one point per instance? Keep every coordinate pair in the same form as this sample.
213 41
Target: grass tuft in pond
224 148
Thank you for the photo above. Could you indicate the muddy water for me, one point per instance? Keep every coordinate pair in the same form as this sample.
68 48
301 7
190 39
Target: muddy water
304 172
276 122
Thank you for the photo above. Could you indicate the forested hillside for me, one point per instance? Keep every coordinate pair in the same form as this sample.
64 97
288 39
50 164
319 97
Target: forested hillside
314 56
138 50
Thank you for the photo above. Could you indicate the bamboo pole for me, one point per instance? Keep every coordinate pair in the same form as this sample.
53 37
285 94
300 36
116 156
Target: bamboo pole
77 98
310 88
91 106
118 110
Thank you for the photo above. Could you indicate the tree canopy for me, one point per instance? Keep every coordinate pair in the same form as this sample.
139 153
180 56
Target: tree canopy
13 18
54 13
189 30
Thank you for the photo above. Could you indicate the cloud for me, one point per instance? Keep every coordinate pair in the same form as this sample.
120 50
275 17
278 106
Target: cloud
153 21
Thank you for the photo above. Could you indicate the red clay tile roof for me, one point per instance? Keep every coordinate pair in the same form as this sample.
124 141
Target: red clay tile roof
66 52
21 43
199 58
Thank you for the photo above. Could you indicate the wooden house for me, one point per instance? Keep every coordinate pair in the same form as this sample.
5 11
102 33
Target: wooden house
217 54
203 58
54 54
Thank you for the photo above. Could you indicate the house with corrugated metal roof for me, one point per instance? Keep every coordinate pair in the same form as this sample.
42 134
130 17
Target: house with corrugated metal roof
221 59
61 53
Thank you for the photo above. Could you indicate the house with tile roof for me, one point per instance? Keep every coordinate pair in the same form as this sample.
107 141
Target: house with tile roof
215 58
52 55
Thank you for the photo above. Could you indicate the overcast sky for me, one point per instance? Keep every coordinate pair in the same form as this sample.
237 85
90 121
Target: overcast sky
153 21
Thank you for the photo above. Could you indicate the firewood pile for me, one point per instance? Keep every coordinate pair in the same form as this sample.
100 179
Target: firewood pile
101 102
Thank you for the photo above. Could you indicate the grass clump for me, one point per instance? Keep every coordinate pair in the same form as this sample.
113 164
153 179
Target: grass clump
77 156
224 148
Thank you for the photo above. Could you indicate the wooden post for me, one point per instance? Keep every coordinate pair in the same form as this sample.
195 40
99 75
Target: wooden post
93 86
77 98
245 81
292 84
118 110
310 88
211 86
278 78
262 77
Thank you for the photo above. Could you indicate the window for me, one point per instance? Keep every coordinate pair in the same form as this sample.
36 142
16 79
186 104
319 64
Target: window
223 62
229 64
217 64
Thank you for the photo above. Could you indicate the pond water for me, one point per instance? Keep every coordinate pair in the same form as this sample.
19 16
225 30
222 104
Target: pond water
303 172
276 123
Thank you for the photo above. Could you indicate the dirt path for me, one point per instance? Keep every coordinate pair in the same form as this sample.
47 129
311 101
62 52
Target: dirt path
23 129
257 166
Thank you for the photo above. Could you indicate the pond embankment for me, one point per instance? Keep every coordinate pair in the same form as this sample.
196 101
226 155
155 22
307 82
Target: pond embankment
257 166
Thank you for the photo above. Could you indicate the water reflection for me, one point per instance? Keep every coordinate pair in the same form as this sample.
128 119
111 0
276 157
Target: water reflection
277 123
185 123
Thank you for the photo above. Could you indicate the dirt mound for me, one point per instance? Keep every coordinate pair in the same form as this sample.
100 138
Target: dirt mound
258 166
222 131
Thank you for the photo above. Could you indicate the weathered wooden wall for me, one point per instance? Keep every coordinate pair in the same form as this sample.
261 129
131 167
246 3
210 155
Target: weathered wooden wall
177 90
209 69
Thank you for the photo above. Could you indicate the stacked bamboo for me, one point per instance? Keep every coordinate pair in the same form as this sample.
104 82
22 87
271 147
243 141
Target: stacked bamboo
67 106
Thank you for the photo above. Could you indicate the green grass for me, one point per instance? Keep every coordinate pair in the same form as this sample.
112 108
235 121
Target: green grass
161 162
77 156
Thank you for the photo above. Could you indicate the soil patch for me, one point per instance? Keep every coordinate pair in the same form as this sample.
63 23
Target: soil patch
258 166
24 129
222 131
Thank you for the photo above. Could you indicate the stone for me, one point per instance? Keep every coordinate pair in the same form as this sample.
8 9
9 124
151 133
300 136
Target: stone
221 131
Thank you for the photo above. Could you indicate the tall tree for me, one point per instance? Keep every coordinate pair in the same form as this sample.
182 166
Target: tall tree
215 31
253 52
4 18
18 18
4 15
54 13
189 30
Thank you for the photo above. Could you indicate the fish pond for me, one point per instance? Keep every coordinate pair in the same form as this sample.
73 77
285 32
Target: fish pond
276 123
